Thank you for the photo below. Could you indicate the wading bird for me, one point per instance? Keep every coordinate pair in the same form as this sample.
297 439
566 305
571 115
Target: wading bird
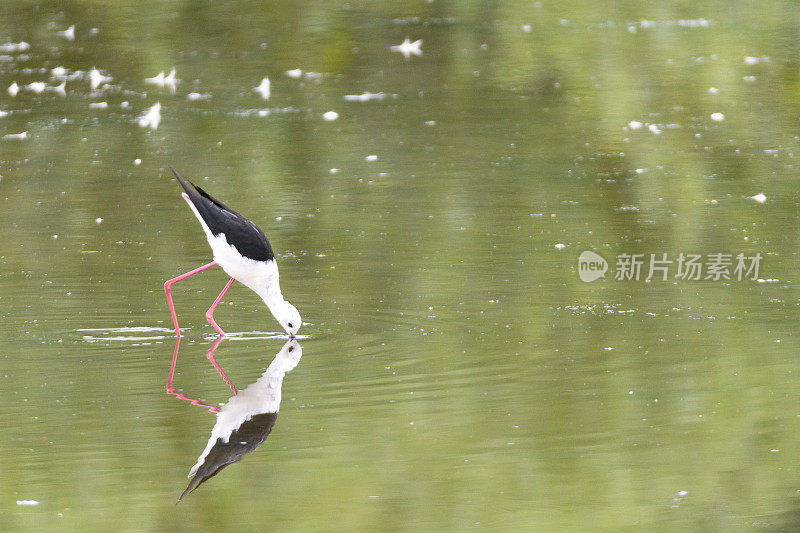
243 252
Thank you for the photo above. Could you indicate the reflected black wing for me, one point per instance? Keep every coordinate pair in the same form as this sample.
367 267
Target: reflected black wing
238 229
244 440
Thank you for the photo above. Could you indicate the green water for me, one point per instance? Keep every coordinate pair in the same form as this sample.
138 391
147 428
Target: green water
456 374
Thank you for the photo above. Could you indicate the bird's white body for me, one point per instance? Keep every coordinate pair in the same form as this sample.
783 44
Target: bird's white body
259 276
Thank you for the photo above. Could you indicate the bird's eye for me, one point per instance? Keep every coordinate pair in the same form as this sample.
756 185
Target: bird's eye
291 348
290 325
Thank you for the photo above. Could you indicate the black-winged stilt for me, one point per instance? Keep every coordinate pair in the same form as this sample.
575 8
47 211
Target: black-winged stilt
243 252
246 420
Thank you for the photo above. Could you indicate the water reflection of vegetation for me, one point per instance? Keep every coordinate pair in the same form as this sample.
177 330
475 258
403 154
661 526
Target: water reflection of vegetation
522 380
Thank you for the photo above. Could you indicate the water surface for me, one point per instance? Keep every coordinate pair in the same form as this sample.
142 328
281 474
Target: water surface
457 374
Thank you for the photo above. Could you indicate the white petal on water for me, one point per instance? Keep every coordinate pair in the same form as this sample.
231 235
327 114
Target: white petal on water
264 88
13 89
137 161
97 78
68 34
408 48
156 80
169 81
27 502
751 60
23 135
98 220
717 117
60 89
98 105
198 96
760 198
21 46
296 73
713 90
36 87
364 97
654 129
152 117
560 246
371 158
330 115
634 124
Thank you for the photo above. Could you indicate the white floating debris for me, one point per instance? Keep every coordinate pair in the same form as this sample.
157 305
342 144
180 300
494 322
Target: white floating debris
169 81
634 124
717 117
156 80
364 97
97 78
60 89
13 89
125 105
152 117
334 171
21 46
407 48
98 220
263 88
560 246
296 73
654 129
760 198
713 90
430 123
68 34
27 502
526 28
371 158
749 79
23 135
198 96
3 114
98 105
137 161
750 60
330 115
36 87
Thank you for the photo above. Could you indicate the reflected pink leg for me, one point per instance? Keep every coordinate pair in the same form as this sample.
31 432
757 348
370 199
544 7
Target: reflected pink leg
168 285
210 357
171 390
210 312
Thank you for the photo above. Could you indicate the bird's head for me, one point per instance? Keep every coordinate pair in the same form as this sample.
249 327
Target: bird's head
289 317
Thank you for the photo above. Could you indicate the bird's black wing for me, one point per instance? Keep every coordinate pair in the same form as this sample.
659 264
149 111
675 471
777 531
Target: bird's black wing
239 231
244 440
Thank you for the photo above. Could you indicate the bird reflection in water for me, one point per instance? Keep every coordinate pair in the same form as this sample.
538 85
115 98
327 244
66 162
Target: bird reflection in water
245 421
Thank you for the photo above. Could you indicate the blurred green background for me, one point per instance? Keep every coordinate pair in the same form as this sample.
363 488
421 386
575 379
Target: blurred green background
456 374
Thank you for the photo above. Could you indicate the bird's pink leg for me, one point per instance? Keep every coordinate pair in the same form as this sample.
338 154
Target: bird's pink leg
210 312
168 285
210 357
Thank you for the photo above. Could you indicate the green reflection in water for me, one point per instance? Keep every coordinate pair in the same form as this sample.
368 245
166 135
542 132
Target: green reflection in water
458 373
